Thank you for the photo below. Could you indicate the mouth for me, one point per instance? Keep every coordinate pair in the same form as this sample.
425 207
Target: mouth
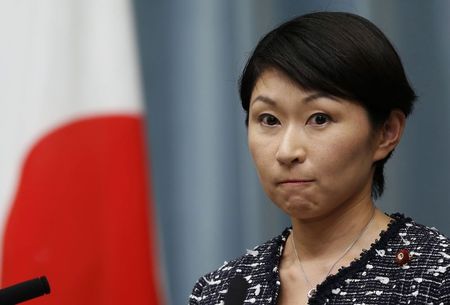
295 182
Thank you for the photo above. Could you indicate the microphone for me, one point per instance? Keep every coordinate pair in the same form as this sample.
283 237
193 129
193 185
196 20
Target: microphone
24 291
237 291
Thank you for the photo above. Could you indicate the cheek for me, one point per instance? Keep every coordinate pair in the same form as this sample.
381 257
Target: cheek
253 145
346 156
262 154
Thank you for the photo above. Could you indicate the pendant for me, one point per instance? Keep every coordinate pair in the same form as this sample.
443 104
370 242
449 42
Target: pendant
311 293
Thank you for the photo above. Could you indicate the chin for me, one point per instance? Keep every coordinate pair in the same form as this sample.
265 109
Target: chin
298 208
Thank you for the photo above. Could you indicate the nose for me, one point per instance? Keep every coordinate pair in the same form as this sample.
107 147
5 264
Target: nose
291 148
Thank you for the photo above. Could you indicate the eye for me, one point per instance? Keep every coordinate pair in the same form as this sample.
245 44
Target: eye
319 119
268 119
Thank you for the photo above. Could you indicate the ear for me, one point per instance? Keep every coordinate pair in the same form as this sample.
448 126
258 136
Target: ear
388 136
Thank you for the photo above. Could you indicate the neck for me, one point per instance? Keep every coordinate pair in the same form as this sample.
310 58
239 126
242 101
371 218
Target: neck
329 235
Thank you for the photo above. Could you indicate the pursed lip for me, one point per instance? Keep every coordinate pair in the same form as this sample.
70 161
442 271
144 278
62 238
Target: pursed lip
295 181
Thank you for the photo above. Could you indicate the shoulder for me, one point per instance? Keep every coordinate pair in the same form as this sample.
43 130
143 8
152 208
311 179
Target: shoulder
409 263
429 266
258 266
427 243
426 247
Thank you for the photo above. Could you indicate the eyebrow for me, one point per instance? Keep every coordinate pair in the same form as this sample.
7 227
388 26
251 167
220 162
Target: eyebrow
307 99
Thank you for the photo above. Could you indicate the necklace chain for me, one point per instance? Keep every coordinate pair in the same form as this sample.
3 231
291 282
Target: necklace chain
312 290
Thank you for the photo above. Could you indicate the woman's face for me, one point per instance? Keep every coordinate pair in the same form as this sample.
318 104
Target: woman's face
313 153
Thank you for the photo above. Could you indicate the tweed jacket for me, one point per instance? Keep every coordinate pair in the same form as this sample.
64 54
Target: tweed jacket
408 264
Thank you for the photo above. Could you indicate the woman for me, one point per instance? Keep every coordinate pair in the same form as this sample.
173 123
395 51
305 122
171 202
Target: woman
326 99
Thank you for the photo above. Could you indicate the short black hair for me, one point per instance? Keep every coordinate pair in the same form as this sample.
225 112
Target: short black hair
340 54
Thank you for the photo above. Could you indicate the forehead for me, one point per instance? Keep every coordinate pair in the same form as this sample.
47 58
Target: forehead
271 76
273 85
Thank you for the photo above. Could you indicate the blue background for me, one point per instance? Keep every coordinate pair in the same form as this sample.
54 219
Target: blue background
209 204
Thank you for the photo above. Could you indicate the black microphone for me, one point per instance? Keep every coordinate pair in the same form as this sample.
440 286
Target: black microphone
24 291
237 291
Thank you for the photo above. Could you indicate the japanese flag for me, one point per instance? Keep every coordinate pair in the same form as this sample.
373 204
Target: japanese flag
75 203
